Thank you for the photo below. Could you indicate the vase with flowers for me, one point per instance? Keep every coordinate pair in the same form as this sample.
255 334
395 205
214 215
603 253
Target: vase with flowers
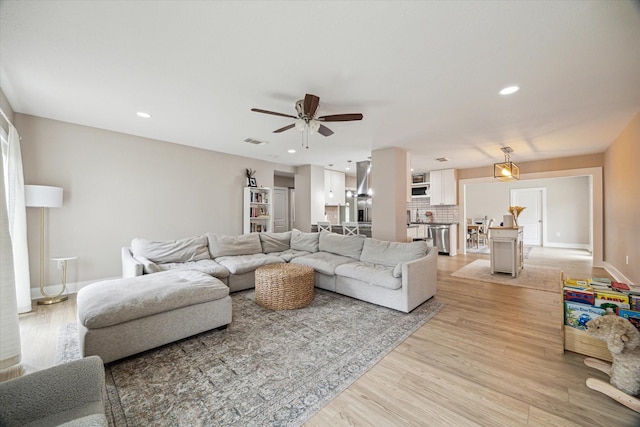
515 212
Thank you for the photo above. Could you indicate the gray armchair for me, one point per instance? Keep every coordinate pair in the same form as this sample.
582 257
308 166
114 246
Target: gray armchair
72 394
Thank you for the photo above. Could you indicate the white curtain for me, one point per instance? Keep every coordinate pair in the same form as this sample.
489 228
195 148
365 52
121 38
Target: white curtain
9 327
17 216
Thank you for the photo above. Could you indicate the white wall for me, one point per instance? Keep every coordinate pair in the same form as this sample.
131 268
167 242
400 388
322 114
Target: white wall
567 206
117 187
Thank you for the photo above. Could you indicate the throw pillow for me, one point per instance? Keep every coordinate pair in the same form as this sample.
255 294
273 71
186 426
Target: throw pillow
338 244
245 244
275 242
304 241
376 251
183 250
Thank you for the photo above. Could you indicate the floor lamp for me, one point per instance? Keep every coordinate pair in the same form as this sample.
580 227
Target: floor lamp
42 196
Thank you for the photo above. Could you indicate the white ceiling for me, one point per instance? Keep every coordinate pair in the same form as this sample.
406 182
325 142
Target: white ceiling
426 75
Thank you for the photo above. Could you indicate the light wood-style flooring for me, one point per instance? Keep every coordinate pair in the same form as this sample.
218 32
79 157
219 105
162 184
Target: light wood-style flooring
492 357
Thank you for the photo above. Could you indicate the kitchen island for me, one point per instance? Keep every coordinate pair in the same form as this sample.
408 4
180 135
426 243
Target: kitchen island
506 248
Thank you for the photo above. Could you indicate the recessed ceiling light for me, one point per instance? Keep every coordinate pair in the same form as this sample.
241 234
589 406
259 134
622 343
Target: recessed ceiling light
143 115
291 151
509 90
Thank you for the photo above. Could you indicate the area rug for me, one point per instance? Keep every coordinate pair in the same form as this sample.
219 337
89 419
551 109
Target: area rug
486 251
533 276
268 368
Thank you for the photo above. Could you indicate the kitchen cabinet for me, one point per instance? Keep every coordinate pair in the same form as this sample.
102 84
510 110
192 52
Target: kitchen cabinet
334 191
417 231
412 232
443 187
506 248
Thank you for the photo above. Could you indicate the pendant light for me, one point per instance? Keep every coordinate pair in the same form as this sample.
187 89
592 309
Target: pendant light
507 170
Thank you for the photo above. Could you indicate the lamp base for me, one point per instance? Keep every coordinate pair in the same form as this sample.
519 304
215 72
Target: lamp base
52 300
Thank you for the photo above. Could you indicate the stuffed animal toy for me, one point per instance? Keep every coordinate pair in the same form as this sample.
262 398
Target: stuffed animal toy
623 341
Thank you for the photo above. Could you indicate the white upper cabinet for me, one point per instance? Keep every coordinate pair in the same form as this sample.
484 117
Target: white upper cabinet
334 188
443 187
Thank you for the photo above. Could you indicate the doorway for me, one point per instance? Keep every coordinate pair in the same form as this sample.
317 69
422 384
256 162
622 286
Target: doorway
532 218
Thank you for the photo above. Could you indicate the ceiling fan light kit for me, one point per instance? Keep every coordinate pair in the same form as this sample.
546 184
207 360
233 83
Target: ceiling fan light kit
306 121
507 170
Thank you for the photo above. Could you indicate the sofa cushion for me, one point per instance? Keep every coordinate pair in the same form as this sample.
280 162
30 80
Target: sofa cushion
207 266
338 244
289 254
111 302
304 241
246 263
245 244
322 262
376 251
183 250
373 274
275 242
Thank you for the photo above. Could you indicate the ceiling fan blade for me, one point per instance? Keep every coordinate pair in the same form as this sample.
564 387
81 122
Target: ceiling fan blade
284 128
325 131
340 117
257 110
310 104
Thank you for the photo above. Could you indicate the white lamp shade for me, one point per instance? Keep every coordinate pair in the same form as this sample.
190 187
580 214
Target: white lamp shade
42 196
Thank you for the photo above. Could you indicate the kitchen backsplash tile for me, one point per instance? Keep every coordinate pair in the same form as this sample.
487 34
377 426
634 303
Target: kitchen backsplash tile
420 207
333 214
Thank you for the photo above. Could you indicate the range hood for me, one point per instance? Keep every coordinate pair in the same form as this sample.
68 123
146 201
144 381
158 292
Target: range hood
363 170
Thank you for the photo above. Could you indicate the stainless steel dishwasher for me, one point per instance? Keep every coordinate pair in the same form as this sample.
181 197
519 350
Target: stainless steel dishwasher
440 235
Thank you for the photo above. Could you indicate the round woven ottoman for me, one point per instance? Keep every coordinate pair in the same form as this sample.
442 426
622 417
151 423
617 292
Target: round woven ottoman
284 286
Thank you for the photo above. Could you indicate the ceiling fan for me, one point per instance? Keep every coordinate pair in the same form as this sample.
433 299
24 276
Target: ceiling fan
306 118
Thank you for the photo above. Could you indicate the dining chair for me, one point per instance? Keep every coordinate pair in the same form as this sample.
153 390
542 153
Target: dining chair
324 225
350 228
484 233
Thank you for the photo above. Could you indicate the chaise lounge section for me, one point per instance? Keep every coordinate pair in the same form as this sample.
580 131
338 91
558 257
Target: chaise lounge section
122 317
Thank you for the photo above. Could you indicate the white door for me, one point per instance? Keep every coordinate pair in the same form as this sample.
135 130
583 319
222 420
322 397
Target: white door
530 218
280 210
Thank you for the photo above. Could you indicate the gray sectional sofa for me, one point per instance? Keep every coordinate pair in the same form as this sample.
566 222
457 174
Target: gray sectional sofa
400 276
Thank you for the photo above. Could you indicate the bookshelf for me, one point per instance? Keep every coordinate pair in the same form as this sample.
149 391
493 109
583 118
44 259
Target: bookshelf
257 210
579 341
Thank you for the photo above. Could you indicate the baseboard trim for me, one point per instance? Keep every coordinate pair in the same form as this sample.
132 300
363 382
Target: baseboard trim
584 246
72 288
617 275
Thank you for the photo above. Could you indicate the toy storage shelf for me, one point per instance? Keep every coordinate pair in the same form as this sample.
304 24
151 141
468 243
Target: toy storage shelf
581 342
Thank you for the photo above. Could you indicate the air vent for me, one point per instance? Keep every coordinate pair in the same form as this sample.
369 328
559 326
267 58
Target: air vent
442 159
255 141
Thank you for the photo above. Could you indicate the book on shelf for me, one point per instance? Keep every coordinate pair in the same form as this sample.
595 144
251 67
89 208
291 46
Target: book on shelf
600 280
619 286
577 315
632 316
611 299
584 296
579 282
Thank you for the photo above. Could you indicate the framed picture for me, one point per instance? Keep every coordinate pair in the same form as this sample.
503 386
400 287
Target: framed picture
252 182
